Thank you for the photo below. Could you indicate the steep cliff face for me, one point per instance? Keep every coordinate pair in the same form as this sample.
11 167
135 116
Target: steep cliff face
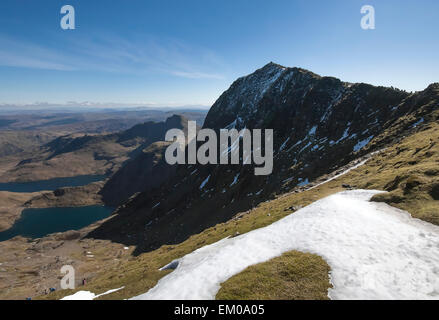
147 168
319 125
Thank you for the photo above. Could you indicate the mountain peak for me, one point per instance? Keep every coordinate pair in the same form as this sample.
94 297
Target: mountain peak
272 64
243 99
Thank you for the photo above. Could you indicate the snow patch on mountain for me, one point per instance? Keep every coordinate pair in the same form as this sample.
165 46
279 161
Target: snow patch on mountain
418 123
312 131
284 144
361 144
375 252
249 90
87 295
303 183
204 182
345 134
235 179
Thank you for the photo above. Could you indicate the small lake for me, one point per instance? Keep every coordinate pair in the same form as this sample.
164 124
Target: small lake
50 185
37 223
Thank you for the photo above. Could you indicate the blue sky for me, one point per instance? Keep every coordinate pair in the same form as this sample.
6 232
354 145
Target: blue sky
188 52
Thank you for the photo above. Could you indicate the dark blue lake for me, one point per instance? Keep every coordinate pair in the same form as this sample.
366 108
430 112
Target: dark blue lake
51 184
37 223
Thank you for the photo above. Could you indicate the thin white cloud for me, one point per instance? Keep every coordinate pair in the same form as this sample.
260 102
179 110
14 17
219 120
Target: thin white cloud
11 60
27 55
140 55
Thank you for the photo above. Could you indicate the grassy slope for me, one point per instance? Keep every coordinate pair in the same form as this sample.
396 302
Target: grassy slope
292 276
411 175
404 159
409 171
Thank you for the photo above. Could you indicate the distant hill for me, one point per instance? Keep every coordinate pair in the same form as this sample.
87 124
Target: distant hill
24 130
85 154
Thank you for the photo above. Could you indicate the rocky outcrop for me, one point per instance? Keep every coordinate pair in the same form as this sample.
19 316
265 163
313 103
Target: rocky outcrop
145 172
68 197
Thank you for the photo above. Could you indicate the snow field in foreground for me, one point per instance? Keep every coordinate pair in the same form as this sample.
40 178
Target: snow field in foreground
375 252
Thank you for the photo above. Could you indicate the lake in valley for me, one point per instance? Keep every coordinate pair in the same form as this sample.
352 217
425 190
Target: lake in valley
37 223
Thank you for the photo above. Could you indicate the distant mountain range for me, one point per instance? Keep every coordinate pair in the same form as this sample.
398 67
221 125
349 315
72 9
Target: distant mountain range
73 106
83 154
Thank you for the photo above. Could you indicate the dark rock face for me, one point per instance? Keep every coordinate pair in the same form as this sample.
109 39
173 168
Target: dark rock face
435 191
59 192
146 171
147 168
319 123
